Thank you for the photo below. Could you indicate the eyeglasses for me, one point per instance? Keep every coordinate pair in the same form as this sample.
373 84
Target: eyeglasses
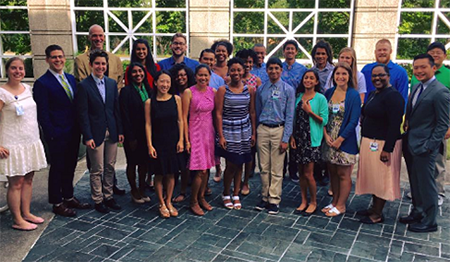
379 75
178 43
57 56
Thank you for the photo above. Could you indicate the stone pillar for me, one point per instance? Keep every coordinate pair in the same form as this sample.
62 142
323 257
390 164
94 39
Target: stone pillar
208 20
49 24
373 20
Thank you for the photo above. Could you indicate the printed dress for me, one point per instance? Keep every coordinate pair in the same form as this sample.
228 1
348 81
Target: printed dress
331 155
236 127
201 129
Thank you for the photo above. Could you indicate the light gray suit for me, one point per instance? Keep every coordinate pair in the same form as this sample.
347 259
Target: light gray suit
428 121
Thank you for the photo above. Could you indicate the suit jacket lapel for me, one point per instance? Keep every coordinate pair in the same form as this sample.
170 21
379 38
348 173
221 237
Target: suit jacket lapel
425 93
94 86
57 84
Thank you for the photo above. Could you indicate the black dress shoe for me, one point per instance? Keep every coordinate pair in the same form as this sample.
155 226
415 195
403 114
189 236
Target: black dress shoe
410 219
75 203
420 228
368 220
118 191
101 208
64 211
111 203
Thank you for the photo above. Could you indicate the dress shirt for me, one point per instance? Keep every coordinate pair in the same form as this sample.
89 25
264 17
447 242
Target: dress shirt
399 78
323 73
260 72
168 63
293 74
60 81
442 75
279 110
101 87
424 86
216 81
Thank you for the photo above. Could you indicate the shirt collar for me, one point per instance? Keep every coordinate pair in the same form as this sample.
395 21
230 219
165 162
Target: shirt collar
328 67
56 74
98 80
427 83
172 61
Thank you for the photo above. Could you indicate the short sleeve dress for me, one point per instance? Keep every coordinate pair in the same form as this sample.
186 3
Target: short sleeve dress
20 134
201 129
165 136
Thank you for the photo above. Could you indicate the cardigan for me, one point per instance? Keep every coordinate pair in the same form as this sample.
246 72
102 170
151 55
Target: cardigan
350 121
319 106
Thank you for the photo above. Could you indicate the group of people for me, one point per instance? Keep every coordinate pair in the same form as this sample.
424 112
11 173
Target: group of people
178 117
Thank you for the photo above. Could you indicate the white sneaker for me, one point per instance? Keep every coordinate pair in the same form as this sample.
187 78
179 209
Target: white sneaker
440 200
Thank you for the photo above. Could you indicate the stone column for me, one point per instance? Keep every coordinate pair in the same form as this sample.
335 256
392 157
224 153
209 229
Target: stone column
373 20
208 20
49 24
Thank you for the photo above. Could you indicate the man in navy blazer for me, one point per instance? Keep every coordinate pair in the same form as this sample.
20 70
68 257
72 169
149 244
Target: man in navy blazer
54 93
101 126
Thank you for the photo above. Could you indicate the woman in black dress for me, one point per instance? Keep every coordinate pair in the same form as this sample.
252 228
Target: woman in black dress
164 131
132 99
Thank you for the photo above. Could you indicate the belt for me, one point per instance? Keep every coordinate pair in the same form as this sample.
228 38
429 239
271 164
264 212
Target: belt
273 125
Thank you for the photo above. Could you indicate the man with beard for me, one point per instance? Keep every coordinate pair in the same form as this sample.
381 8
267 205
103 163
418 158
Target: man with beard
178 47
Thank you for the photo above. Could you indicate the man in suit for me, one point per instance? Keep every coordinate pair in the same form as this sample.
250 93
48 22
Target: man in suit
426 122
54 93
101 126
114 71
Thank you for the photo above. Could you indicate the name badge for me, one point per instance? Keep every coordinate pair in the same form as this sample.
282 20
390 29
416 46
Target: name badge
373 146
19 109
276 94
335 108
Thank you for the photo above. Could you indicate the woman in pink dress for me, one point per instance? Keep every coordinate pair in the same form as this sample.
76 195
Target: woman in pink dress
198 103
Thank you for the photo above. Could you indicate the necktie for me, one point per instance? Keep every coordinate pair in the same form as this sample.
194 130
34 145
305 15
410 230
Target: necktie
66 87
419 92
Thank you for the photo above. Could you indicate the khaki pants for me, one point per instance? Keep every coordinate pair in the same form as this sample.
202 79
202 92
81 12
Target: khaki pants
103 160
271 162
439 171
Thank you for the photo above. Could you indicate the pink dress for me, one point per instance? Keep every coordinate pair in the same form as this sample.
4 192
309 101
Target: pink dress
201 129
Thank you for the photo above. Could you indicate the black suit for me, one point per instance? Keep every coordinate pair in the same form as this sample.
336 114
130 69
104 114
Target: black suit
58 119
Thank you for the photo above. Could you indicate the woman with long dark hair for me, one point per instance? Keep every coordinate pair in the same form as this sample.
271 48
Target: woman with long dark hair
141 53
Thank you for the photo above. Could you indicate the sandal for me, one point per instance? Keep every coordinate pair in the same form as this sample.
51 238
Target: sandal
368 220
164 212
300 210
310 210
34 220
245 190
237 203
29 227
173 211
195 208
334 212
327 208
204 204
180 198
227 202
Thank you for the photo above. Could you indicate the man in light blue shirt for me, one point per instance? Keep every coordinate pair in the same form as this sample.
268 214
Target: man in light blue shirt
292 71
178 47
207 57
259 69
275 105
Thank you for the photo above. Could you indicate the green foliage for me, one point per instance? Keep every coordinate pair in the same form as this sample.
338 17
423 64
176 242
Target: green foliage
15 20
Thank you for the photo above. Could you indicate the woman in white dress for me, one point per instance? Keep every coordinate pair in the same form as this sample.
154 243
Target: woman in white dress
21 151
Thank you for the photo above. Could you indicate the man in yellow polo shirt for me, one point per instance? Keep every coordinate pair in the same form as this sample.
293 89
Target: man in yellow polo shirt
442 74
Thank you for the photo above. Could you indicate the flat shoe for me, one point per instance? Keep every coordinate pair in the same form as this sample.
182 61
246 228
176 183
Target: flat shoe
299 210
306 213
173 212
28 228
37 220
180 198
327 208
333 212
204 204
368 220
245 190
164 212
197 210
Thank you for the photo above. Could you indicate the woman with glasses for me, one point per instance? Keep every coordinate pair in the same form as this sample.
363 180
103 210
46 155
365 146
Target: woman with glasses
381 150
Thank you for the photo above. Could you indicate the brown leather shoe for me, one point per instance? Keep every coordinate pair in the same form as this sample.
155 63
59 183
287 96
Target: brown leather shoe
197 210
64 211
204 204
75 203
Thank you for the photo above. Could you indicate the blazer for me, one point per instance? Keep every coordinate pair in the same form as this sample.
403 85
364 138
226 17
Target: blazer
350 121
428 120
133 114
57 114
94 115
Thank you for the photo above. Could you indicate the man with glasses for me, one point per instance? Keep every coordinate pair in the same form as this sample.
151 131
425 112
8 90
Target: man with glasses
178 47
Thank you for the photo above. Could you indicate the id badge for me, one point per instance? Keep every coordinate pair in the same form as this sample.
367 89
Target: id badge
373 146
275 94
335 108
19 109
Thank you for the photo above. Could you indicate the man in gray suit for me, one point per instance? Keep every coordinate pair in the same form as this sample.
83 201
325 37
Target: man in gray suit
426 122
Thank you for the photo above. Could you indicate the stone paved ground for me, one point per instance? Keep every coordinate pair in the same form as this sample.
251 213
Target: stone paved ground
136 233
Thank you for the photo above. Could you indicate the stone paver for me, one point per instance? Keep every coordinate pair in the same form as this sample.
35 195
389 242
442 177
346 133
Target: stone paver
136 233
